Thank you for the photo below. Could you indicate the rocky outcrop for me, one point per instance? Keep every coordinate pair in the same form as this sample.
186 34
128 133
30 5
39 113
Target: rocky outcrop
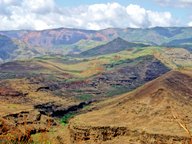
10 92
107 133
96 134
58 111
6 91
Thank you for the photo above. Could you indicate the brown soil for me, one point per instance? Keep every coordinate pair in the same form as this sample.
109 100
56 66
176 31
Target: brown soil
136 117
121 119
139 116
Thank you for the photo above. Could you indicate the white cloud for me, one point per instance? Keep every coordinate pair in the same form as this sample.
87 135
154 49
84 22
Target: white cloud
190 24
138 15
161 19
142 18
45 14
39 6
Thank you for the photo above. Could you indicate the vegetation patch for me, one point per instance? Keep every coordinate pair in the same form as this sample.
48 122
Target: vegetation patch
84 97
84 106
137 50
79 90
64 119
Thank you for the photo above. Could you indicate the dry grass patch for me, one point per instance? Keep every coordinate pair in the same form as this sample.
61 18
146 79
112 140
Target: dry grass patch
22 134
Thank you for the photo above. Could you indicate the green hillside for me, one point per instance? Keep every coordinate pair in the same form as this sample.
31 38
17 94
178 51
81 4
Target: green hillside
76 48
114 46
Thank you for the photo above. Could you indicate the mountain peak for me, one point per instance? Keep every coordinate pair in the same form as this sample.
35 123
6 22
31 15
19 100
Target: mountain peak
118 39
114 46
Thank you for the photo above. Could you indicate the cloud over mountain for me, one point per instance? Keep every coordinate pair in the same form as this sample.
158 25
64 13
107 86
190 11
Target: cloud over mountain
45 14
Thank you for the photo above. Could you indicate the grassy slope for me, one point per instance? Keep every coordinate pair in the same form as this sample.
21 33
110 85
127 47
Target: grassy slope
82 45
25 51
80 66
114 46
59 69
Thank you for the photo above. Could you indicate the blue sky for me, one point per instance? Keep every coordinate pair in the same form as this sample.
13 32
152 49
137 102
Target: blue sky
94 14
181 13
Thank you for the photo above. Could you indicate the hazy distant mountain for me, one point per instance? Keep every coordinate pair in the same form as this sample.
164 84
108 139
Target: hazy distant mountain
54 37
12 49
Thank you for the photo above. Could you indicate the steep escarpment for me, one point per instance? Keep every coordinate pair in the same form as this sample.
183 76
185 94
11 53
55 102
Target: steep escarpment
49 38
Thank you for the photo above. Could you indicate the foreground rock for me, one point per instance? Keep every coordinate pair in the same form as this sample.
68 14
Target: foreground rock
24 123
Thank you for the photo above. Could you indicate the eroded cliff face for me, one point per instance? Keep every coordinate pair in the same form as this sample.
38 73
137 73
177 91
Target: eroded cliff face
49 38
115 134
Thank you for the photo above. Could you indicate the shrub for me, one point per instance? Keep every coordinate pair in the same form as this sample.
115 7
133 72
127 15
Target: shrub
64 119
179 119
14 135
84 106
79 90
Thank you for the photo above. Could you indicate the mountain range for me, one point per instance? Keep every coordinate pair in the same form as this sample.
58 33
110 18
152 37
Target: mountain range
107 86
61 36
74 41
